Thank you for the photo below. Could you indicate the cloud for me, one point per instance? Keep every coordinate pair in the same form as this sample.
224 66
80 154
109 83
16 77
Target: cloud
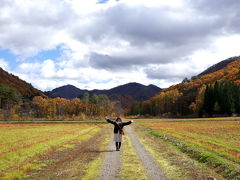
48 69
152 35
141 25
28 27
29 67
226 11
147 41
3 64
170 71
115 63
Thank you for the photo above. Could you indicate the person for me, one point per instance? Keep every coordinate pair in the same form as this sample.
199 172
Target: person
118 130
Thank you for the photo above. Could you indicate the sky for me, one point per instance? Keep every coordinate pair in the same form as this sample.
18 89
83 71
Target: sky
100 44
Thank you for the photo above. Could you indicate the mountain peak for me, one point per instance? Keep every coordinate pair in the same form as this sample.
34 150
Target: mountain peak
131 92
68 86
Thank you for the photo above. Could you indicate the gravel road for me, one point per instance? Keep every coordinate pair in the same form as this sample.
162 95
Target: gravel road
111 164
149 163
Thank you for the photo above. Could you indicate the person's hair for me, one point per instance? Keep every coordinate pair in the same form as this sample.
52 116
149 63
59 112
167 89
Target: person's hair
119 119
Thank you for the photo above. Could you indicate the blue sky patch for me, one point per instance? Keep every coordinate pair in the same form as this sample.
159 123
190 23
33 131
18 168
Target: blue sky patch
9 57
102 1
14 60
49 54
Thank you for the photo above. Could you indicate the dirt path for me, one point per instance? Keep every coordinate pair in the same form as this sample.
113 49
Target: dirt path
150 165
111 165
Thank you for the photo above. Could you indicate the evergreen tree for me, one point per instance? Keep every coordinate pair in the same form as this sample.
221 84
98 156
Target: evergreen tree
85 97
209 100
8 96
94 99
223 97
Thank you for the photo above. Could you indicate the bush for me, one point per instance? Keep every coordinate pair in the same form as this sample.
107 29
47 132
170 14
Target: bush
82 116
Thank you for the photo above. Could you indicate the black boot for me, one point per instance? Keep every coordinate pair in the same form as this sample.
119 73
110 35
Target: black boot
119 145
116 146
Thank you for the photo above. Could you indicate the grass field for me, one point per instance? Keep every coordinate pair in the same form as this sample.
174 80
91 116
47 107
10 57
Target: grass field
215 143
183 149
23 145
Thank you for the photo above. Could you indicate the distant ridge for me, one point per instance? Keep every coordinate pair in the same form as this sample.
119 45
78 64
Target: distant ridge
218 66
126 93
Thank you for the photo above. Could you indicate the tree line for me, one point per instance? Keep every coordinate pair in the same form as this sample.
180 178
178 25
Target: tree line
222 97
88 106
14 106
219 98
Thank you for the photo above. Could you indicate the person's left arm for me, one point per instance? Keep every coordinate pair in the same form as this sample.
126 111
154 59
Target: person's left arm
127 123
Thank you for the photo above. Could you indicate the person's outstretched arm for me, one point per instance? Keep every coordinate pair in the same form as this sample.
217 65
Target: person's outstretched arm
110 121
127 123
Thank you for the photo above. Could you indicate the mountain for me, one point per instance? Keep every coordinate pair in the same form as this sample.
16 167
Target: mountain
67 91
126 93
187 97
137 91
26 89
218 66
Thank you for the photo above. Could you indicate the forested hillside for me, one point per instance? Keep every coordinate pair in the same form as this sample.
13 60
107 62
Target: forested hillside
16 96
214 93
219 66
20 100
26 89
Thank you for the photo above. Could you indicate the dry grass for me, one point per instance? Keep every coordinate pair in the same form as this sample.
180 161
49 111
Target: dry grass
175 164
214 143
21 146
222 137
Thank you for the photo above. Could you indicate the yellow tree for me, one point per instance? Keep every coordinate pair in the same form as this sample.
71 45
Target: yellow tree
196 106
51 108
41 105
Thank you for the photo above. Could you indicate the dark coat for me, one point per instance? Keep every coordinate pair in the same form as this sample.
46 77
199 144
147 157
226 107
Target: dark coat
118 126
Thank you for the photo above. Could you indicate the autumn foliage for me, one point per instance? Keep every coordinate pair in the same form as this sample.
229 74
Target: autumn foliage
190 98
74 108
12 81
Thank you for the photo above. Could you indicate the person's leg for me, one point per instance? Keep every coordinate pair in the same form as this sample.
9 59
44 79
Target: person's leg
116 145
119 145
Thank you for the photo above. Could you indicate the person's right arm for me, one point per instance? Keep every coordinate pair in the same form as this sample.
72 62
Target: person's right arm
127 123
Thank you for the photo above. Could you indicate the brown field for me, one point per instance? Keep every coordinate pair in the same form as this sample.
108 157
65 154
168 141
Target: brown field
21 145
215 140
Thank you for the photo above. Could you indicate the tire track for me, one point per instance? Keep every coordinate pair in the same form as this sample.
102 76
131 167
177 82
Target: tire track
111 164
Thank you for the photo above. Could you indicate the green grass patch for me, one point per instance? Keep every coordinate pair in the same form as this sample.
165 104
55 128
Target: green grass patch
132 167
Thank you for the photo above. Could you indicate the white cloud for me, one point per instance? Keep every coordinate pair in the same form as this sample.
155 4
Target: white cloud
147 41
28 27
3 64
29 67
48 69
222 48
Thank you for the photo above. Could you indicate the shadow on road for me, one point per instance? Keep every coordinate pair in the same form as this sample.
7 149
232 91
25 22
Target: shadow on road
96 151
